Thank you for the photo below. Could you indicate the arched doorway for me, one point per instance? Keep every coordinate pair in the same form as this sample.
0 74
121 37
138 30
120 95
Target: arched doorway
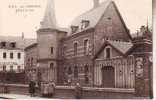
108 76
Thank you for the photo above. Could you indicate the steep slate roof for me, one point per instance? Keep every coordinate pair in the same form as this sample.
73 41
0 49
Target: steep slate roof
21 43
92 15
120 46
123 47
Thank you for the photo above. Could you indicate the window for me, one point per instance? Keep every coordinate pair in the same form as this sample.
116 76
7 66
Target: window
28 62
13 44
3 44
19 55
51 50
69 71
4 55
4 68
76 72
11 55
64 50
75 49
108 52
51 65
11 68
19 68
86 79
74 28
86 47
31 62
86 70
85 24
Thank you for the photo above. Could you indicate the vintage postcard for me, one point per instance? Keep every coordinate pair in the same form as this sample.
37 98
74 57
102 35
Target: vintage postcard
76 49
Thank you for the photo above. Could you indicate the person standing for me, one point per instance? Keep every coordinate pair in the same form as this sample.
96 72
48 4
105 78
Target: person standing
45 89
32 88
78 91
51 89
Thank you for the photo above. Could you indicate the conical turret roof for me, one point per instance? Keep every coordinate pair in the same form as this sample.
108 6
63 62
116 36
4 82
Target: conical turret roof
49 20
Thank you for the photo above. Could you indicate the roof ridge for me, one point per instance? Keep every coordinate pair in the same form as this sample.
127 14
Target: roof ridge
92 9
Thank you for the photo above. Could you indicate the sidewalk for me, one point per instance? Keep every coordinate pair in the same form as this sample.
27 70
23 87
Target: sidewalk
16 96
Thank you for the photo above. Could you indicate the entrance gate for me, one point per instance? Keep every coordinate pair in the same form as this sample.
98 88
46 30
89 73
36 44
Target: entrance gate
108 77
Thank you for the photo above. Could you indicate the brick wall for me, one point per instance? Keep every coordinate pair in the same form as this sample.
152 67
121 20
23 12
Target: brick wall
80 60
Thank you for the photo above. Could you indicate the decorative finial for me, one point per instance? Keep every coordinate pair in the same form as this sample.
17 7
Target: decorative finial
22 35
147 25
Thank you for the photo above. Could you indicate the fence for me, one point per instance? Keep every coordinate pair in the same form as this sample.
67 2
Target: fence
12 77
68 92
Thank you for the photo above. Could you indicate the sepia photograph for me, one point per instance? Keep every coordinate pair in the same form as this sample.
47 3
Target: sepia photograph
76 49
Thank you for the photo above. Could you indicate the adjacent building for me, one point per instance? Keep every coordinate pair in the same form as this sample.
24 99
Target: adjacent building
12 53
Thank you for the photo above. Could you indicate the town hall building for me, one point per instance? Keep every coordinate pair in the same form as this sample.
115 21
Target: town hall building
97 50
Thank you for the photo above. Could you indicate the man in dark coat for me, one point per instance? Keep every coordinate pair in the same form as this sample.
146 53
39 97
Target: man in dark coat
32 88
78 91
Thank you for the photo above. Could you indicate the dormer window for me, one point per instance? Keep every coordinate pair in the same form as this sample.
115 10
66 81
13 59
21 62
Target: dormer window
3 44
85 24
13 44
74 28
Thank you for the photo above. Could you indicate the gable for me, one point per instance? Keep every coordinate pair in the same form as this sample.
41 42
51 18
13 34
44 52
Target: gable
114 53
121 47
111 25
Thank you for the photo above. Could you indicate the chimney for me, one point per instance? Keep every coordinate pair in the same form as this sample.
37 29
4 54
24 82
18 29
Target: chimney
96 3
143 29
22 35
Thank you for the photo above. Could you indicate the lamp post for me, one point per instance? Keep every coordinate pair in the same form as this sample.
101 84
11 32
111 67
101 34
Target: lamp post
38 76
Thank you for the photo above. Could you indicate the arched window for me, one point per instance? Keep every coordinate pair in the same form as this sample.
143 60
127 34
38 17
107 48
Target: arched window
86 70
51 50
51 65
76 72
108 55
75 48
69 71
107 52
86 47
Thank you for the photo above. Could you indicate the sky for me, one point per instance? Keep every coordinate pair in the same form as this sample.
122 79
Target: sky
13 22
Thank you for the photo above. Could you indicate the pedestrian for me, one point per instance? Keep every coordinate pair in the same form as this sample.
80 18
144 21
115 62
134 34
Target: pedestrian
51 89
45 89
32 88
78 91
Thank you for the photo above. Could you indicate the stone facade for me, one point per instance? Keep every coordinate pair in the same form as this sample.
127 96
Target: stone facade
47 50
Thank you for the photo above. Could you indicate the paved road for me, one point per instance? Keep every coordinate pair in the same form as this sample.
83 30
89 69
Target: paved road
16 96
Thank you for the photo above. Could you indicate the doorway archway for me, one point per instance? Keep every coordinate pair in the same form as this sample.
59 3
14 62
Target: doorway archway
108 77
